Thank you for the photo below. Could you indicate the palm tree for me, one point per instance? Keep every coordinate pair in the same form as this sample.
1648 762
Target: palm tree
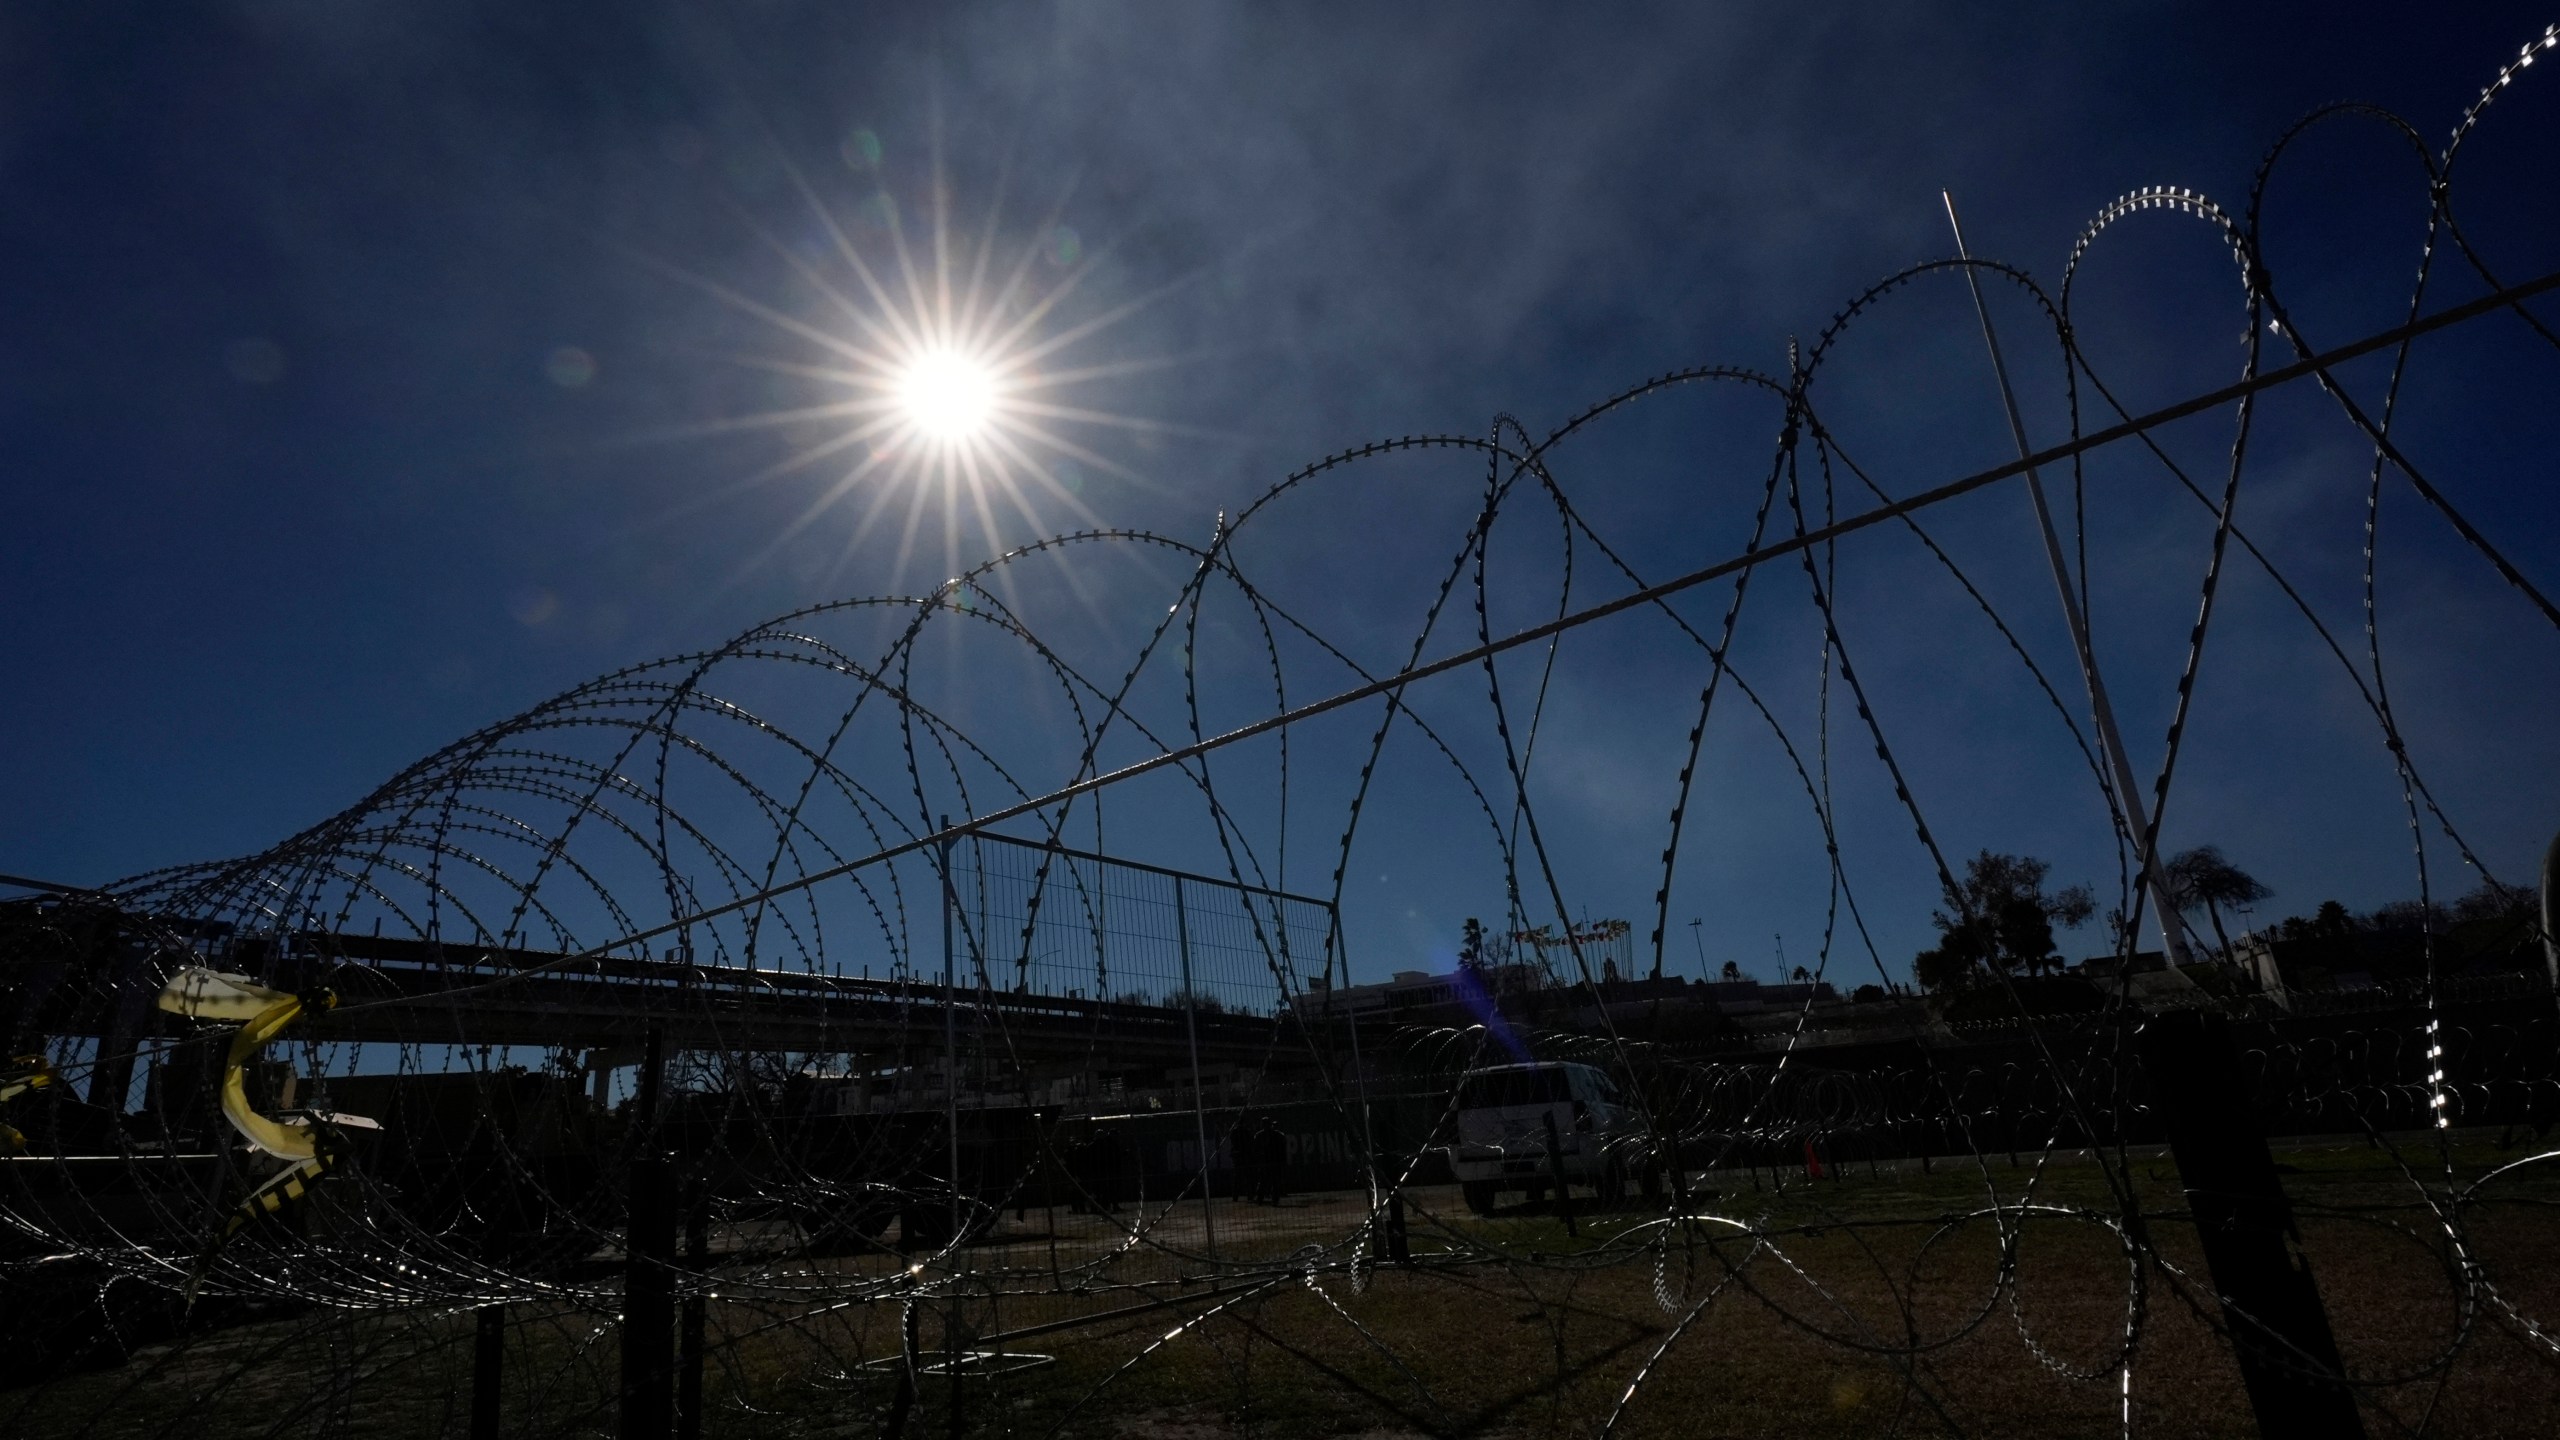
2201 879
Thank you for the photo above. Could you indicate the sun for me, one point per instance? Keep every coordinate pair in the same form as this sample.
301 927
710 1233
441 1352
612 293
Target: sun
956 387
946 395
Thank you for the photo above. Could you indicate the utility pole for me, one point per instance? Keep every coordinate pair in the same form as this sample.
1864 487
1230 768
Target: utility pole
2172 930
1698 940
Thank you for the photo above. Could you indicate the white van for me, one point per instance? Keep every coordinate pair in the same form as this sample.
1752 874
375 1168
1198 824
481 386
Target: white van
1503 1115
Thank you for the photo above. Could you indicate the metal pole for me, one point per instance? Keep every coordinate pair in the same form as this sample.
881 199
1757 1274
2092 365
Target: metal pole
951 1030
1359 1074
951 1115
2172 929
697 1256
1199 1091
648 1320
2279 1330
488 1361
111 1080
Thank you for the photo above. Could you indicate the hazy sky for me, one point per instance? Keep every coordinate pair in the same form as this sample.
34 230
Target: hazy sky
368 375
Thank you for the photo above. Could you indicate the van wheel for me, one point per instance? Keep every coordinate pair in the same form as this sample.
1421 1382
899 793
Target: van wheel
1479 1195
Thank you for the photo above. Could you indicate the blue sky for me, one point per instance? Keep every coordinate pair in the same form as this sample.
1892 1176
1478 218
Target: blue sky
304 479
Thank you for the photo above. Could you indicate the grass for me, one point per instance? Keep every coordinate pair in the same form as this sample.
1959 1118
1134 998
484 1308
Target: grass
1801 1324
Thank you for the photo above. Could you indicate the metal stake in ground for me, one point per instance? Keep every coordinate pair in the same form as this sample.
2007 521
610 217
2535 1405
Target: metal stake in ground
697 1262
648 1281
488 1361
2279 1330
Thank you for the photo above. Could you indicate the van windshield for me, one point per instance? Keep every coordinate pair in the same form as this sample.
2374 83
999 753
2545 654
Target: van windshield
1498 1088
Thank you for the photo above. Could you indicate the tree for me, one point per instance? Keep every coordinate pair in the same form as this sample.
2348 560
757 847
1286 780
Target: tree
1732 973
1471 944
2329 922
2001 922
1803 975
2493 901
2201 879
1943 969
2410 917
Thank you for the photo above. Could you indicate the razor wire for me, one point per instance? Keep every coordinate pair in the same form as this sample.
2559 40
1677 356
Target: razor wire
710 914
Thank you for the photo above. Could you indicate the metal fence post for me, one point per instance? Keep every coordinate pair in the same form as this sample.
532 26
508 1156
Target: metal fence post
488 1361
1337 944
648 1246
951 1113
1199 1090
697 1257
2279 1330
951 1029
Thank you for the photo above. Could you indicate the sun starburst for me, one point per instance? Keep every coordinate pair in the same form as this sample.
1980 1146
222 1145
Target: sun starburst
947 396
943 373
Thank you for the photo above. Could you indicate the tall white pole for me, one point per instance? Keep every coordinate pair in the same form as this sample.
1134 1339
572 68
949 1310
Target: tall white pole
2172 929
